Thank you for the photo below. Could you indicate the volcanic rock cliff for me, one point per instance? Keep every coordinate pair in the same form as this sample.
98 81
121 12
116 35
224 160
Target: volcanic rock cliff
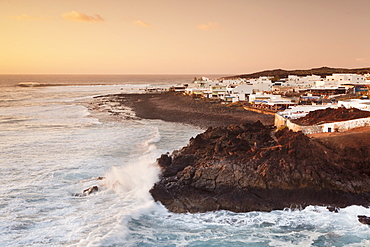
254 167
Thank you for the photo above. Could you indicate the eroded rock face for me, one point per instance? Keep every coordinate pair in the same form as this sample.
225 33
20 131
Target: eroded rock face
252 167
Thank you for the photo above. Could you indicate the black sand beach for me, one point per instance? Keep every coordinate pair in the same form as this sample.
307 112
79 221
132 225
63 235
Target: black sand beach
175 107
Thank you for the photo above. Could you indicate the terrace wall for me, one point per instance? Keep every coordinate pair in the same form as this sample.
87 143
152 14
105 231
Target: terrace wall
326 127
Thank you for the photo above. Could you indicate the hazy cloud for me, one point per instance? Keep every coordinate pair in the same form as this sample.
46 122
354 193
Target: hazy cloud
29 18
209 26
141 23
361 59
137 22
77 16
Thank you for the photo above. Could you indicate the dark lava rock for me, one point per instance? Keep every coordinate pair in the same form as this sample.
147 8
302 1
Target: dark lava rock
364 219
88 191
252 167
333 209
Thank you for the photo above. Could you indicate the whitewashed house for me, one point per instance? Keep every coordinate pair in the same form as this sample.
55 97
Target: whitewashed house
218 91
299 111
302 82
260 97
235 81
341 79
242 91
197 91
261 84
362 104
296 83
204 82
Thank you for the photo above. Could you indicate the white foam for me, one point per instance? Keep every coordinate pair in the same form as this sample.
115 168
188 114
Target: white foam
130 185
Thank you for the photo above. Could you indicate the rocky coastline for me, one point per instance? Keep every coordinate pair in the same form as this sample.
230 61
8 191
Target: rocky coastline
252 167
242 163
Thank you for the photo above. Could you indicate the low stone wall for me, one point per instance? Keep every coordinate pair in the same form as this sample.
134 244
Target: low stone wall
264 111
312 129
346 125
327 127
281 121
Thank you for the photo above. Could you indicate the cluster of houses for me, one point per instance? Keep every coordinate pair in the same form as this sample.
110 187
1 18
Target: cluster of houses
279 95
288 98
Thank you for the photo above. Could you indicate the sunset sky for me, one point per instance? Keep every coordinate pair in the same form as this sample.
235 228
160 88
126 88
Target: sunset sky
181 36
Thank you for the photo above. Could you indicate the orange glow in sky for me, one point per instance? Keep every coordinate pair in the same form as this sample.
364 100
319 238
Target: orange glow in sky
181 36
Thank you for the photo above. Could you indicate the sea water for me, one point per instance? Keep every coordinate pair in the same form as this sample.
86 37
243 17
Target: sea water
52 147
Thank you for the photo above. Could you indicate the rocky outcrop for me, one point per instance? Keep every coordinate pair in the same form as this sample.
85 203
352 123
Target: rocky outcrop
252 167
364 219
88 191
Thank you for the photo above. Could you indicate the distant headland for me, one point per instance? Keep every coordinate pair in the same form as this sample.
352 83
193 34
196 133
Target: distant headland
322 71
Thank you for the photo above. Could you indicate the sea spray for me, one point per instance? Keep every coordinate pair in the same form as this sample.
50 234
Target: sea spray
150 145
130 184
126 185
133 181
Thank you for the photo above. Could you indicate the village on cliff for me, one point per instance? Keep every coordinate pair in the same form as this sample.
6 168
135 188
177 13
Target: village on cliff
291 98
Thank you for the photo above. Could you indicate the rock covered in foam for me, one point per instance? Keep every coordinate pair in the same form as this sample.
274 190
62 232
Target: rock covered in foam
88 191
364 219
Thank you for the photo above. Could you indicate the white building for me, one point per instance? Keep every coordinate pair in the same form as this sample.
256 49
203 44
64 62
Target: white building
218 91
262 83
242 91
361 104
236 81
260 97
204 82
341 79
299 111
302 82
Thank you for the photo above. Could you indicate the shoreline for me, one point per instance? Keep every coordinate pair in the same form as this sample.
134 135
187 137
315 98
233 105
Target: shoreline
175 107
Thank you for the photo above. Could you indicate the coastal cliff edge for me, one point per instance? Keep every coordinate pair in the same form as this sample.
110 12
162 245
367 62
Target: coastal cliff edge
252 167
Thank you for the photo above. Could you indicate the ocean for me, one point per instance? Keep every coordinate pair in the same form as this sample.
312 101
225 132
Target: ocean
52 147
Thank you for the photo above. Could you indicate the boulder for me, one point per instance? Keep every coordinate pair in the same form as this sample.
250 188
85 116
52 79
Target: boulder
364 219
88 191
333 209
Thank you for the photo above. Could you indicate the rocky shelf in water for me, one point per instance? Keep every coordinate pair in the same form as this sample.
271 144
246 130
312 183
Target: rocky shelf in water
253 167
